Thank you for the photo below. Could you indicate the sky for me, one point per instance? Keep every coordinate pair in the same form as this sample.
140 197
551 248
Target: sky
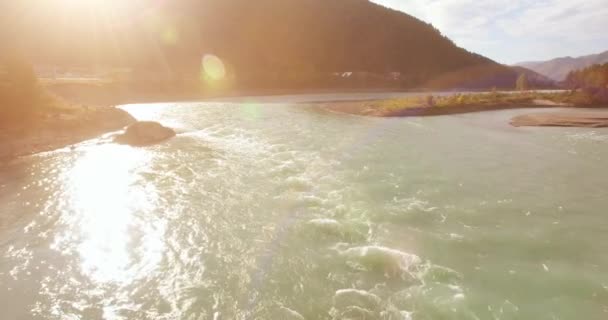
511 31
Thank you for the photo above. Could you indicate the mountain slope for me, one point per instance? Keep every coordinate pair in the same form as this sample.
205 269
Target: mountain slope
557 69
261 43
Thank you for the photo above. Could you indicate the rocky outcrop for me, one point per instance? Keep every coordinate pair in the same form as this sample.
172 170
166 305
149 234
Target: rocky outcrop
144 133
563 119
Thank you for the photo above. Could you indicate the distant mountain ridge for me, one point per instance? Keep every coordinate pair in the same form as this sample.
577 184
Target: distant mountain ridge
558 68
264 43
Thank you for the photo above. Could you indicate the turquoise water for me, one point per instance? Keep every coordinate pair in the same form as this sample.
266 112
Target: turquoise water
262 209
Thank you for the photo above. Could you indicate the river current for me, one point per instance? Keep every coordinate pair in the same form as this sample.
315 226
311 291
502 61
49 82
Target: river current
271 208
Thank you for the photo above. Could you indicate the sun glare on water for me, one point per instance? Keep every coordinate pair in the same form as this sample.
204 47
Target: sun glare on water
106 201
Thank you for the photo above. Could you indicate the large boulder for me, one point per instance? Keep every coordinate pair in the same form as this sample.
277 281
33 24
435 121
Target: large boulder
144 133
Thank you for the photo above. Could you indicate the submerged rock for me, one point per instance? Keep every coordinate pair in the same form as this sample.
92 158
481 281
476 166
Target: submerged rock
144 133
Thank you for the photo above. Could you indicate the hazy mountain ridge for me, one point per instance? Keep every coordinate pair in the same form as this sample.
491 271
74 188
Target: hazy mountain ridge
558 68
262 43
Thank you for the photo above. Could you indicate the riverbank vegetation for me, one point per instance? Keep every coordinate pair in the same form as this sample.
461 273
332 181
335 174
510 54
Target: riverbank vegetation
588 88
22 98
469 102
592 81
34 120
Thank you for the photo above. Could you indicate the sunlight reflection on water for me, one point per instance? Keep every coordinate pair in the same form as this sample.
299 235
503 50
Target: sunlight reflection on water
106 199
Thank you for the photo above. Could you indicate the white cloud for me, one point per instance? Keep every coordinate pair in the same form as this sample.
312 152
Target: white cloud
514 30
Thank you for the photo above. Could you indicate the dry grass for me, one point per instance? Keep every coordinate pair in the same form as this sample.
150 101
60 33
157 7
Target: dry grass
481 100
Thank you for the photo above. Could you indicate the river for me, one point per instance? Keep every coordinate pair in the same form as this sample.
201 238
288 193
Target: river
272 209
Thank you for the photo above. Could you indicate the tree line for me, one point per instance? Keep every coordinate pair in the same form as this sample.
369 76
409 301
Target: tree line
592 82
21 95
595 76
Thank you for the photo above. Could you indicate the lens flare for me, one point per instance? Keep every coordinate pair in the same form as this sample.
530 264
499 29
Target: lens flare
169 35
213 68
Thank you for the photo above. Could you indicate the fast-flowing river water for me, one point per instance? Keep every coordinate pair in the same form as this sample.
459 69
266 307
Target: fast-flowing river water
268 209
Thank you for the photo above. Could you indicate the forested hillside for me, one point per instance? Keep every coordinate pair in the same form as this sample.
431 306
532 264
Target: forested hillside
263 43
595 76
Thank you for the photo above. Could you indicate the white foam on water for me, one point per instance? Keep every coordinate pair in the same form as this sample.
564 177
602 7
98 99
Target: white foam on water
325 227
391 261
324 223
354 297
351 313
239 142
429 272
588 136
355 304
289 314
298 183
411 204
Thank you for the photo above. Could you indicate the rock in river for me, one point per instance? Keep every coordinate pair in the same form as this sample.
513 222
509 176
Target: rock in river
144 133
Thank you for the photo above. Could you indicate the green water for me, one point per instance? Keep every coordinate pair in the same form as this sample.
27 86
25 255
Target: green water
275 210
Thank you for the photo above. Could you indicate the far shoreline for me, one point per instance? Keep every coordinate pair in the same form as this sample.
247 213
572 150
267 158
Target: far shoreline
359 108
112 94
593 116
86 94
93 119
